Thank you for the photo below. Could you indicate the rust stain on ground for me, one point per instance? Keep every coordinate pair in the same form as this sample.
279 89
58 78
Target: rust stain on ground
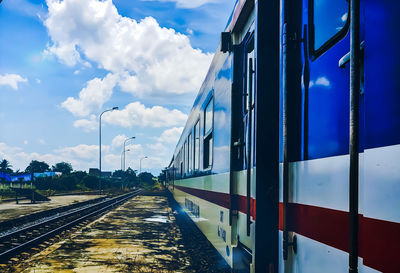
123 240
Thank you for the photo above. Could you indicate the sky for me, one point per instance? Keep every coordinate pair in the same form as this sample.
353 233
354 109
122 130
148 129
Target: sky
63 62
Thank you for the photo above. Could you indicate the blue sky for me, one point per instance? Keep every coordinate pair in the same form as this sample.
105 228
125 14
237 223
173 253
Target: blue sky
63 62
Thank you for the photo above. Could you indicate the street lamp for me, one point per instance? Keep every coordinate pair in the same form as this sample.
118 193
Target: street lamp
140 165
123 154
124 149
112 109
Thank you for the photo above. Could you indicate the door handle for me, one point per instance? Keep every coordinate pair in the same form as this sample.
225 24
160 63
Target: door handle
346 58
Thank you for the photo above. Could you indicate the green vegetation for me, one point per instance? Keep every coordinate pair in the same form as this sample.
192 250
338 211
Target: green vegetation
5 167
62 167
77 181
37 167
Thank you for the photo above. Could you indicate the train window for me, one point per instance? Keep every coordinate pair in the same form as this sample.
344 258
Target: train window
180 162
208 117
329 22
190 152
185 158
196 146
208 134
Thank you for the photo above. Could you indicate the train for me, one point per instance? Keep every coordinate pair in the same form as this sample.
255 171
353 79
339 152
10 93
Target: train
290 158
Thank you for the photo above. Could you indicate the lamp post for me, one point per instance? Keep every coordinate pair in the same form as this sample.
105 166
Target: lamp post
112 109
124 149
140 165
123 154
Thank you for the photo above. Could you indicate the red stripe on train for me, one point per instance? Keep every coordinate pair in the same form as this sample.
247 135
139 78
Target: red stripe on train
219 198
223 199
379 240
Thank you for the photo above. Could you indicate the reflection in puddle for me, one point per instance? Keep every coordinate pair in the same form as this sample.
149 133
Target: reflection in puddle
198 219
158 219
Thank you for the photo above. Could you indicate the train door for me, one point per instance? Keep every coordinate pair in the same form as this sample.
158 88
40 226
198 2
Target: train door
243 227
249 118
315 136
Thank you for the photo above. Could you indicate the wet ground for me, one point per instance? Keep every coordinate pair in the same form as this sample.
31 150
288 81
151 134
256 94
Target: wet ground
11 210
140 236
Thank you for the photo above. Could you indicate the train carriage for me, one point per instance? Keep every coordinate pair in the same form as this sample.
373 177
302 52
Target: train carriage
289 160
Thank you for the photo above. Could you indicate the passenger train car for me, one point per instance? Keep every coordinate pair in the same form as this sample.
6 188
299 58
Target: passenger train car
290 158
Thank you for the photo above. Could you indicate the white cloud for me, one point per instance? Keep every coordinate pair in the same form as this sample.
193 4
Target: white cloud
323 81
158 147
220 119
170 136
81 151
42 142
87 125
135 148
189 31
150 59
165 143
187 4
81 156
136 114
38 81
344 17
84 156
12 80
92 97
151 163
118 141
26 142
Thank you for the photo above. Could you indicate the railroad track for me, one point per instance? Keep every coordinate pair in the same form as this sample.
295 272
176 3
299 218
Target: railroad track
21 239
6 226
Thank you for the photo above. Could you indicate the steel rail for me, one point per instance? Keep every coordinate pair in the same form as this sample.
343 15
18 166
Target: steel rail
115 201
52 215
24 220
54 219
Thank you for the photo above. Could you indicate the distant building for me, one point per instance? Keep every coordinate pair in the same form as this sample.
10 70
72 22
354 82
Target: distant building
106 174
96 172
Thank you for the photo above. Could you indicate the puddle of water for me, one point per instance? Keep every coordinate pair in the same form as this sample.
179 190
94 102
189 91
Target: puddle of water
161 212
199 219
158 219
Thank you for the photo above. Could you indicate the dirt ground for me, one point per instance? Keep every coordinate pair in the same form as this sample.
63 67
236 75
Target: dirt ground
140 236
11 210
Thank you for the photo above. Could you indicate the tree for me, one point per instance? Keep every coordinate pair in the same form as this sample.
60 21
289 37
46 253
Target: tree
79 174
162 176
63 167
91 181
118 173
37 167
5 166
146 178
129 171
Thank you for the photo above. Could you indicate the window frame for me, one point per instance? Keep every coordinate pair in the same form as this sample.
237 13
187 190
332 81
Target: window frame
196 155
190 152
208 135
185 158
316 53
180 163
